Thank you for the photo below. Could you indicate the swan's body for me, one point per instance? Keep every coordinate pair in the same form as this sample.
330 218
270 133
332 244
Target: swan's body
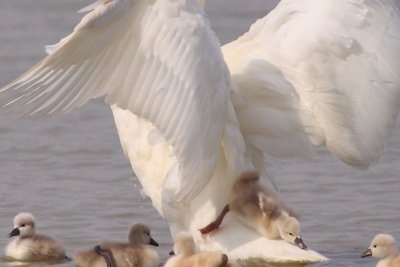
187 256
260 208
384 247
30 246
135 253
191 118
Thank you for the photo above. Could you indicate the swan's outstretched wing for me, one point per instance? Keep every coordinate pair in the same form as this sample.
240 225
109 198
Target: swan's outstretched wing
315 72
158 59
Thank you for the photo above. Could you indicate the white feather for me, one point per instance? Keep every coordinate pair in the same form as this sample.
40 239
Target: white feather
146 58
317 72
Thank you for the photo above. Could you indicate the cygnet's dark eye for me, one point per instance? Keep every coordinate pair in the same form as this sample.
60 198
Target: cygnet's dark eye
22 225
291 234
374 246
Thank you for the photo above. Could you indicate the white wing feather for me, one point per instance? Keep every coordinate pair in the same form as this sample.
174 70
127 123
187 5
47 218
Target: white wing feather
158 59
320 71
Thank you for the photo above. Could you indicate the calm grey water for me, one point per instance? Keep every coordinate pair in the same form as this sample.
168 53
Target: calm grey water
71 173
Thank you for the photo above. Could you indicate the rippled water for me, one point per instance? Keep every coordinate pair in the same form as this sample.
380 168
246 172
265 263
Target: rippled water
71 173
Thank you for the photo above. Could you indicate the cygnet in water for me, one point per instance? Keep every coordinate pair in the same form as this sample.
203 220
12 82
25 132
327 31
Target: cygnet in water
384 247
29 246
260 208
135 253
186 255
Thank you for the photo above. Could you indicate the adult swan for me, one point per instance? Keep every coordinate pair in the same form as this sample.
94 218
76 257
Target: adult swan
192 117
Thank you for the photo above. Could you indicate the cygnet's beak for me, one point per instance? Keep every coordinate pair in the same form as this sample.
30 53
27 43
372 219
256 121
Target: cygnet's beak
153 242
172 253
14 232
367 253
299 242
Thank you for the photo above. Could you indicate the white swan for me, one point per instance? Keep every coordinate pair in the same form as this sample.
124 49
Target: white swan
30 246
191 118
383 247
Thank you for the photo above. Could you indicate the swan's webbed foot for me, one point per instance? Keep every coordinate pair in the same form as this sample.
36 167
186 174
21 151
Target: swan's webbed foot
209 228
224 261
108 256
215 224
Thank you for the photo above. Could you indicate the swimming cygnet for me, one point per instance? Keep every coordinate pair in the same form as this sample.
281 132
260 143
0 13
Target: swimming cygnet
135 253
260 208
384 247
186 255
29 246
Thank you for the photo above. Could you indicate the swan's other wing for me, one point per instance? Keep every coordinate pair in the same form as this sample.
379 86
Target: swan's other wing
315 72
158 59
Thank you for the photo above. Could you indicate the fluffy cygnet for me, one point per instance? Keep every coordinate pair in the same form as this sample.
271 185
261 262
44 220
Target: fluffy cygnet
135 253
29 246
384 247
260 208
186 255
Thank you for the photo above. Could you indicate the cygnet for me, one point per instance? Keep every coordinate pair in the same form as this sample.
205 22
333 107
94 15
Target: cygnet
135 253
29 246
260 208
384 247
186 255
